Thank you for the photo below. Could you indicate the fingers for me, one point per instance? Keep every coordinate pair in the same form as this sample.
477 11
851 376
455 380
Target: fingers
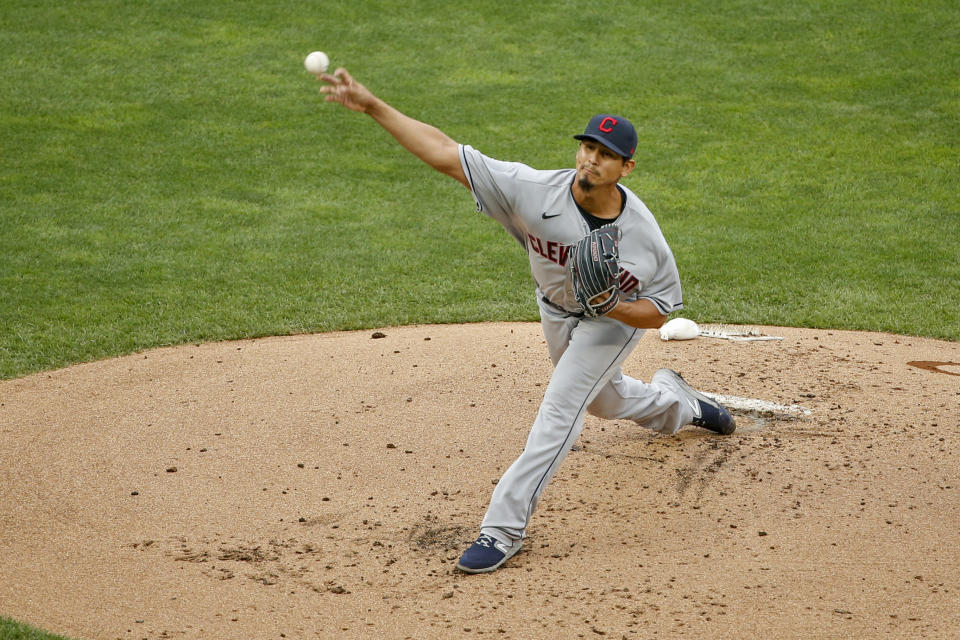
329 83
340 77
337 85
340 87
334 87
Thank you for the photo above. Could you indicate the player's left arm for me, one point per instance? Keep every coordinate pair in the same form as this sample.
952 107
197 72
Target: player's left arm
642 314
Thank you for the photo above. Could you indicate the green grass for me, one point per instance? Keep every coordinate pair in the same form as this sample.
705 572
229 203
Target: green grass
13 630
170 174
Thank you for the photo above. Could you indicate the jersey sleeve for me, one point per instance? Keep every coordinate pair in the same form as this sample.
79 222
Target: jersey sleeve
492 183
664 289
648 260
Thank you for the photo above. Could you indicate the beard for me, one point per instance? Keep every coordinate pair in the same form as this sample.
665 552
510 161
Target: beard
584 183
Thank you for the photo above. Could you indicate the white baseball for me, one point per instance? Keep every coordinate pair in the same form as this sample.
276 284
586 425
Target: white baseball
317 63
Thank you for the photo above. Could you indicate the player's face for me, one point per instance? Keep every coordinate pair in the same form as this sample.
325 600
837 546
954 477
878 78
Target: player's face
599 166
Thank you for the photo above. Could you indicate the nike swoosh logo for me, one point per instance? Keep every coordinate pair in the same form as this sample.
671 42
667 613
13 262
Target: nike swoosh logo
547 216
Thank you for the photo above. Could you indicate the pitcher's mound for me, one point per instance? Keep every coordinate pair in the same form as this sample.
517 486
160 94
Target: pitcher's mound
324 486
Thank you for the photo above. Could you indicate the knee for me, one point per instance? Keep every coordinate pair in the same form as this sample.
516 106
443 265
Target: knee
602 408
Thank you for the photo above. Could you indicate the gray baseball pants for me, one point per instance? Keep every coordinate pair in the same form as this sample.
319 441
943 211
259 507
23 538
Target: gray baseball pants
587 355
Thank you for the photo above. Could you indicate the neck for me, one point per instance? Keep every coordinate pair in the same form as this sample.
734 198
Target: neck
603 202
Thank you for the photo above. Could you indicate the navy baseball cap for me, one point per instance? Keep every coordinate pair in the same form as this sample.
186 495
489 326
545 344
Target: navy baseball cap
611 131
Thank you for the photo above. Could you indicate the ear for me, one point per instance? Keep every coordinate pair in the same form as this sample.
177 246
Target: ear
628 166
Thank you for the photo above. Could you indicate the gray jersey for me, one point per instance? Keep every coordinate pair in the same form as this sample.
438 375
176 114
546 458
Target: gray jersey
537 208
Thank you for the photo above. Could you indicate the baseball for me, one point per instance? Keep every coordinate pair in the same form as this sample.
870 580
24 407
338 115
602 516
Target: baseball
317 63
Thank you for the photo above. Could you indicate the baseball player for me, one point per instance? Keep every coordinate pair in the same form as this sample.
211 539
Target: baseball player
579 216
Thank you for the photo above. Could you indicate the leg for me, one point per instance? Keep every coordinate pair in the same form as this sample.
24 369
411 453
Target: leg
587 355
665 404
653 405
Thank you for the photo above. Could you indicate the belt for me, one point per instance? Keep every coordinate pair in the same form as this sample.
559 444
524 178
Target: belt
556 307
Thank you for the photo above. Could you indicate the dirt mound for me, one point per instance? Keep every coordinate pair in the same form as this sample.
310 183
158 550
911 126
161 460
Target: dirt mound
323 486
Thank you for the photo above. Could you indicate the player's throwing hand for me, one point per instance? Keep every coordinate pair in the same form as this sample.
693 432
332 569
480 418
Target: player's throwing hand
342 88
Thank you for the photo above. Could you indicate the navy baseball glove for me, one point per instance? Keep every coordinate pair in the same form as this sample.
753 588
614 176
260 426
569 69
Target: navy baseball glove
594 265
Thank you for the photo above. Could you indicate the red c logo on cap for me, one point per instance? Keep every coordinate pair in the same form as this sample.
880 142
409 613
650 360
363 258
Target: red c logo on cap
607 124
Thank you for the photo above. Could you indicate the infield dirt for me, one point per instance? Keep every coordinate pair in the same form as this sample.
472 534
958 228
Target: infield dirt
323 486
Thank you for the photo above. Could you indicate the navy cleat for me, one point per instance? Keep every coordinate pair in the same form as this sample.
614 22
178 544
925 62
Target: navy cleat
487 554
708 413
